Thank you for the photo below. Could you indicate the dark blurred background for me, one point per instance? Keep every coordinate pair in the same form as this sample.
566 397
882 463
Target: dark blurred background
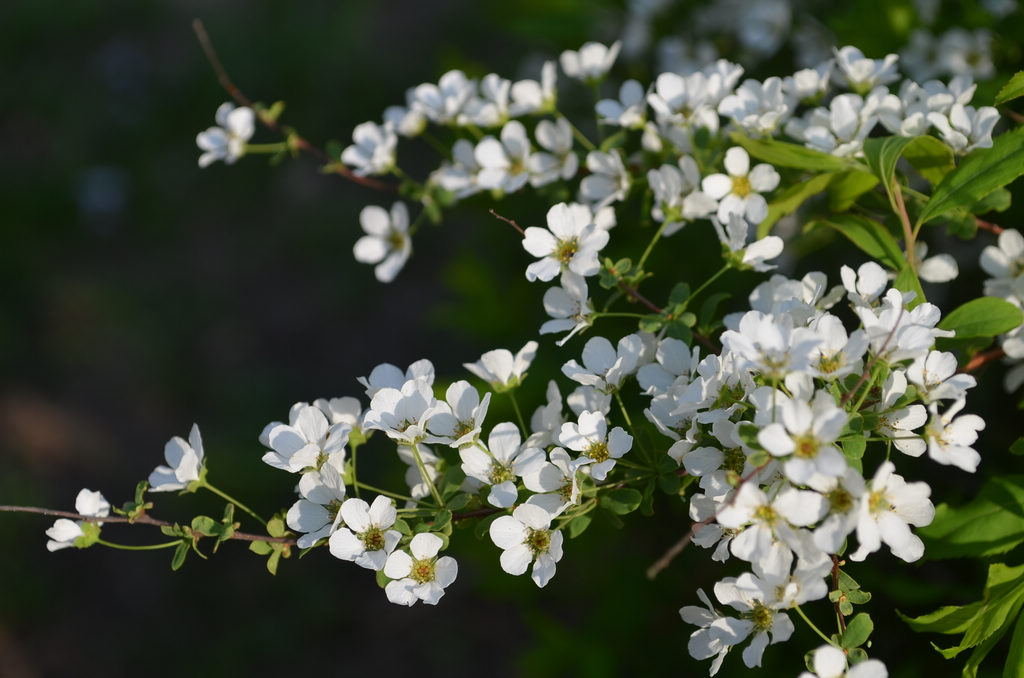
141 294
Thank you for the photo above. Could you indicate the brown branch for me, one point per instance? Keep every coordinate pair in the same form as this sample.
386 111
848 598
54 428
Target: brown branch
982 358
988 226
635 295
293 139
476 514
143 519
677 548
508 221
1013 115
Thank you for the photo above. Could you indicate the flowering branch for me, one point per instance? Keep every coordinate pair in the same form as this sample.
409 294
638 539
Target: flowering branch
294 140
142 519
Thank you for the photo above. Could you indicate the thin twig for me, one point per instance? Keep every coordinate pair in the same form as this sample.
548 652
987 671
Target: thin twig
294 139
988 226
867 368
677 548
835 587
908 231
508 221
982 359
143 519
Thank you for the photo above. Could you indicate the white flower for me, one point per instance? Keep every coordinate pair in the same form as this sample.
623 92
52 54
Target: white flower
569 305
227 142
460 175
629 111
965 53
759 108
771 345
366 539
307 442
734 241
408 122
809 84
591 438
501 369
403 414
491 108
899 424
186 463
603 367
935 269
677 195
806 438
64 532
686 102
739 192
387 375
886 509
591 63
830 662
556 480
561 162
950 440
525 537
386 243
442 103
461 425
316 514
863 74
500 463
841 128
421 575
608 180
966 128
504 164
838 354
1005 264
705 642
757 600
567 243
866 285
530 96
936 379
373 151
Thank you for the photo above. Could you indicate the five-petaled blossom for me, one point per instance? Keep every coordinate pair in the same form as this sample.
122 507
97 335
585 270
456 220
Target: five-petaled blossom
525 537
227 142
186 463
419 574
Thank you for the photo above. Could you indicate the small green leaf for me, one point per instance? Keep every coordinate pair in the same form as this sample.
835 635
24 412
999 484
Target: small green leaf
790 199
981 172
382 579
932 158
442 520
1017 447
785 154
651 323
907 281
621 501
260 547
847 186
205 525
680 294
881 154
578 524
858 630
984 317
870 236
276 527
854 447
1011 90
996 201
180 552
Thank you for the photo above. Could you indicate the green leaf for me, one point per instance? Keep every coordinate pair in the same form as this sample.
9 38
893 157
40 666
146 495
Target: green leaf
1017 447
881 154
847 186
621 501
205 525
996 201
442 521
980 173
854 447
178 559
1014 667
932 158
276 527
785 154
948 619
991 523
907 281
382 579
873 238
679 294
1011 90
984 317
857 631
790 199
578 524
260 547
651 323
